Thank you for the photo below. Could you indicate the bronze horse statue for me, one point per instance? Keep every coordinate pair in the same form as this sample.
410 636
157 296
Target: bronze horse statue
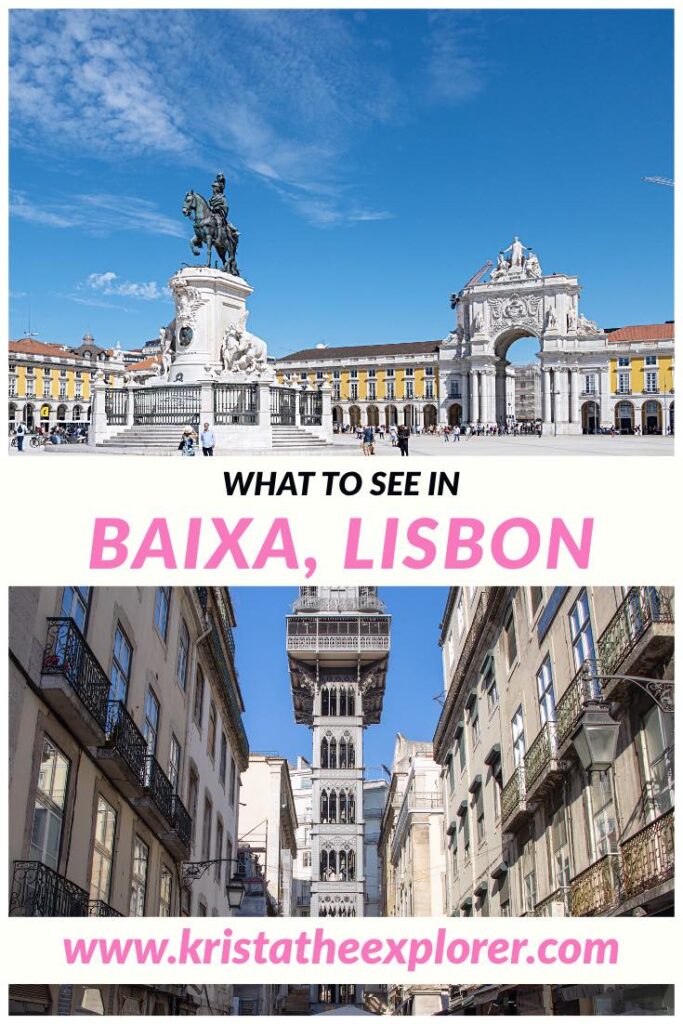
213 232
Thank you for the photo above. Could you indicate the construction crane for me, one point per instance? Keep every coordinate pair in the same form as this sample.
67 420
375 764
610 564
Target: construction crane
659 181
455 298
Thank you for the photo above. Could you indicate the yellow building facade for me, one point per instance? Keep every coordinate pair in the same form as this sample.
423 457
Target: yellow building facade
641 376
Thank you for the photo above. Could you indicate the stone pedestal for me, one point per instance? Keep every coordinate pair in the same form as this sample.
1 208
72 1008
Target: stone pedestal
207 303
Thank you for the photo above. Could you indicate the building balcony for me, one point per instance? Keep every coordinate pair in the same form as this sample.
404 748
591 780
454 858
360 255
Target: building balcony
637 639
333 603
178 839
582 694
596 890
229 688
155 805
554 905
542 764
514 810
123 754
38 891
647 858
73 682
311 636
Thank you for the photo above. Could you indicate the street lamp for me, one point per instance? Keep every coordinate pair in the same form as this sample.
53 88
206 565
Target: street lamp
191 870
235 892
595 740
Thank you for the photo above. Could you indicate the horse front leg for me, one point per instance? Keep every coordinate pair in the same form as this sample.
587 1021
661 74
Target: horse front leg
209 246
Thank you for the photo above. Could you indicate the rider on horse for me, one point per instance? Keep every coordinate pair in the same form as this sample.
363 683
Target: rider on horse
218 203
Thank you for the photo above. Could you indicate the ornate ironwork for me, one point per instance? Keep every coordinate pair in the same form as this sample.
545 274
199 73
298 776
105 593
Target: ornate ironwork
540 753
318 602
596 890
116 405
159 787
311 408
661 690
123 736
514 792
641 607
584 688
283 406
165 405
647 858
68 654
38 891
98 908
558 898
181 820
235 403
228 689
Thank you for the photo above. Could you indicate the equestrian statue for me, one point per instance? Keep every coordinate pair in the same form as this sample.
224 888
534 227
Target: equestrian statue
212 227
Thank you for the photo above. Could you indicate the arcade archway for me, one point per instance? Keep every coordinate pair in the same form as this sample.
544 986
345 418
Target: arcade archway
373 416
651 417
518 394
29 416
429 417
455 415
337 417
409 416
624 419
390 416
354 416
590 417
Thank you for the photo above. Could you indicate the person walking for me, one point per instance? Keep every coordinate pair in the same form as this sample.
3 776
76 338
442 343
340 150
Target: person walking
446 434
456 434
368 440
403 439
21 433
207 439
187 442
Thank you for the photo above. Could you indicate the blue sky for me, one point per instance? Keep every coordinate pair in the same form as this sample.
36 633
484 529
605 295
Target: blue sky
414 676
375 160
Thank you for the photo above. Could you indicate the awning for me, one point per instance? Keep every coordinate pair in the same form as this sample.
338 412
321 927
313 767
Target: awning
493 755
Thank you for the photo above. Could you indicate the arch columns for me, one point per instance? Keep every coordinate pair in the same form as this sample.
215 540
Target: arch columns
474 397
574 414
547 406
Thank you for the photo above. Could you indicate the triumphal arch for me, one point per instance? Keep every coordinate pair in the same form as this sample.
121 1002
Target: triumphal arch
513 300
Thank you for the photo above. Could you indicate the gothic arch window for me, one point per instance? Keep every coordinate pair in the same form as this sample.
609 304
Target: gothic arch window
342 866
333 754
342 806
332 862
324 754
352 703
333 700
325 701
342 753
323 805
323 864
342 701
352 809
352 865
333 806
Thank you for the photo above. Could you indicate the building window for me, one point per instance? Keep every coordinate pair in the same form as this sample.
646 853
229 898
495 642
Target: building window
103 851
466 834
589 384
650 360
232 795
193 800
460 613
336 392
581 631
409 389
165 893
198 708
353 390
602 810
479 811
651 381
174 760
120 667
211 732
454 389
48 810
390 389
206 828
510 638
150 725
162 601
624 361
658 760
535 599
75 604
624 383
230 870
372 390
474 723
223 762
218 872
462 751
353 374
518 746
497 782
546 692
306 859
489 684
183 653
139 879
559 838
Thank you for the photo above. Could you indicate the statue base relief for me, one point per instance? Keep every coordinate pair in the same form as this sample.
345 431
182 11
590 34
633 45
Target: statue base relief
208 303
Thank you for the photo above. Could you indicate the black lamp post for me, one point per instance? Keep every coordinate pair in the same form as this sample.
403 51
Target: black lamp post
194 869
595 740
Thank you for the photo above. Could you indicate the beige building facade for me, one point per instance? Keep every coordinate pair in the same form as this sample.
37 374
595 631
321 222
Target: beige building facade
556 745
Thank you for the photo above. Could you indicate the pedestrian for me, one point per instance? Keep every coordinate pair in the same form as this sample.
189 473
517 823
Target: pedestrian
187 442
21 432
207 439
368 440
393 434
456 434
403 439
446 434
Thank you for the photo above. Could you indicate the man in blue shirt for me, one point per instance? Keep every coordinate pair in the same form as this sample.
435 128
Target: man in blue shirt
207 439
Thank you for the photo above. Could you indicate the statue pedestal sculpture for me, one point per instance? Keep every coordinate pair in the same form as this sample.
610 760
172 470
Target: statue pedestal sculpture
208 304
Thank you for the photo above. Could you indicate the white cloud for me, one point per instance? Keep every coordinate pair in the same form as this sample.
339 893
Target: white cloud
98 214
108 283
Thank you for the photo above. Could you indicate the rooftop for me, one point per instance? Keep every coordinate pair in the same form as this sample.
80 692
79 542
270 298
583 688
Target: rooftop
343 351
641 332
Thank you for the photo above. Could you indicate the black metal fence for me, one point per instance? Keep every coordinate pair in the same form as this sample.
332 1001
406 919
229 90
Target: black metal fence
123 736
162 405
283 406
311 408
116 405
38 891
235 403
68 654
159 787
181 820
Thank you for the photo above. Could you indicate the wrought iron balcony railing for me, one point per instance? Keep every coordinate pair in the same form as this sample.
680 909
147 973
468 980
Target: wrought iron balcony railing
98 908
159 788
596 890
228 689
68 654
340 603
647 858
181 820
38 891
513 794
641 607
123 736
584 688
540 753
554 905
